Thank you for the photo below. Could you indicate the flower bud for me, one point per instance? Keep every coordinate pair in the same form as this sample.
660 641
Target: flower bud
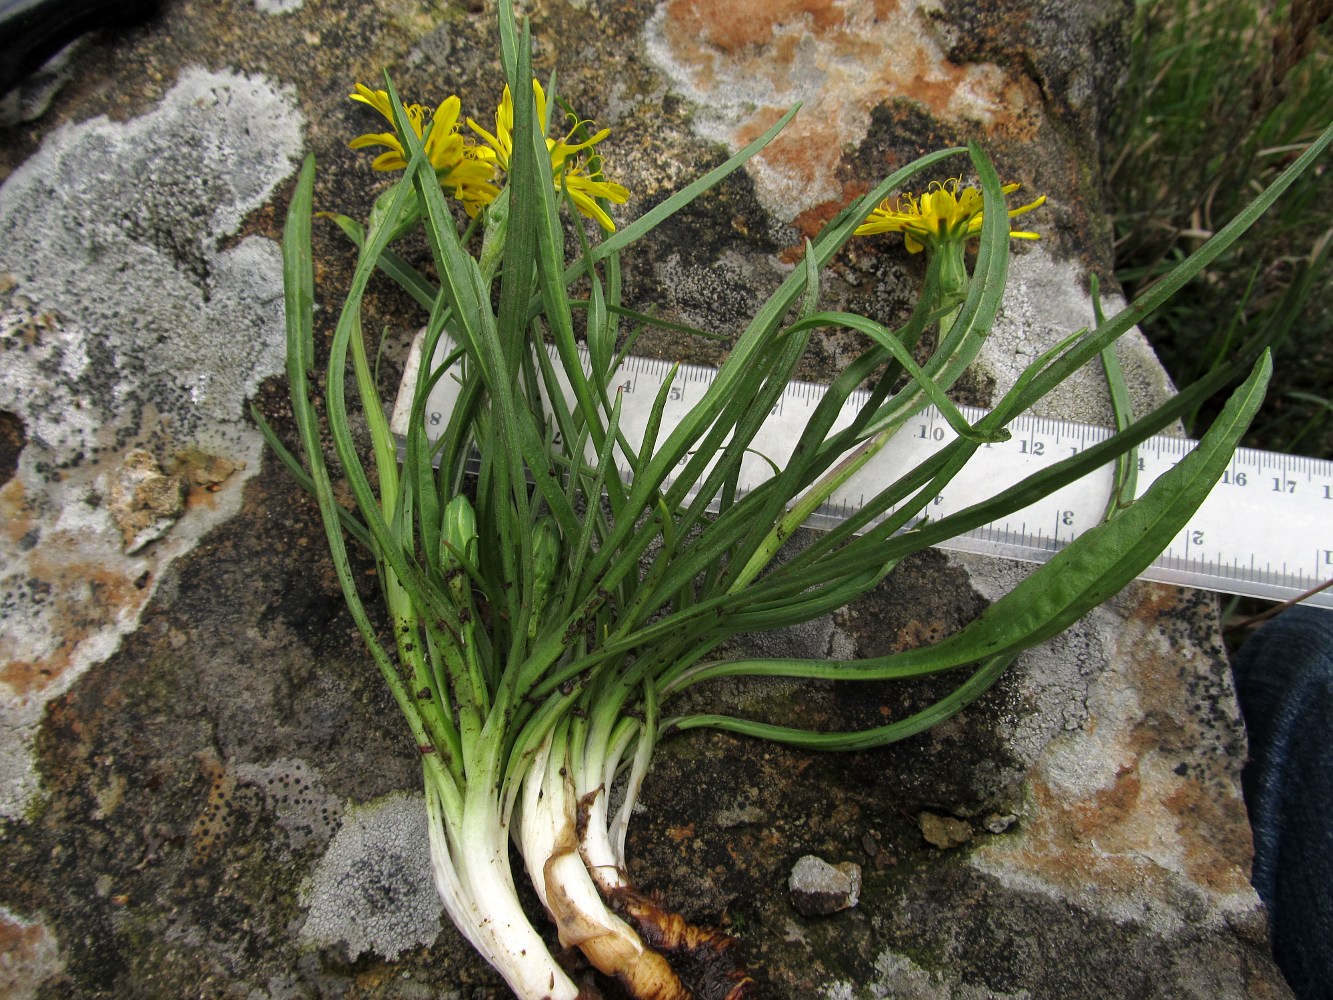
459 531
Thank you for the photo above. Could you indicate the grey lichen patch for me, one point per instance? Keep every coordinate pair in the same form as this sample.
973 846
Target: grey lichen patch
718 295
373 889
105 211
899 977
1052 679
295 795
126 324
290 791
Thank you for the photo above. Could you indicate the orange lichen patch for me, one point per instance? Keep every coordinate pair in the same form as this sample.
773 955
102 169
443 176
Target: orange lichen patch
15 514
143 501
1139 841
1108 808
16 938
1216 871
916 633
747 62
1127 813
204 473
84 598
29 955
741 23
22 675
679 833
815 218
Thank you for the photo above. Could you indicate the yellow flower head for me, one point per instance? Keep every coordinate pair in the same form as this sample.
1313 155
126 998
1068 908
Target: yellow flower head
582 174
944 214
458 166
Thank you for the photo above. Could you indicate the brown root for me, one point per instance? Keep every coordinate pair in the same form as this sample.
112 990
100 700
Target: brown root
707 961
610 944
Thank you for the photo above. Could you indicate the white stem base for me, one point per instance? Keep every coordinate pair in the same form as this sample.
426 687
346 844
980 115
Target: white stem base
473 877
550 848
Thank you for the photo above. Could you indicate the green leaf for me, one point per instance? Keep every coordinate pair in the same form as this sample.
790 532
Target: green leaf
1087 572
918 722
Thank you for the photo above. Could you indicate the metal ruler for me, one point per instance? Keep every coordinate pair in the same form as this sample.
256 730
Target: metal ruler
1266 530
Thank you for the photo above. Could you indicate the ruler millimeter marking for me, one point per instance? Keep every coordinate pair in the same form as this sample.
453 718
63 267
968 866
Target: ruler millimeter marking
1265 530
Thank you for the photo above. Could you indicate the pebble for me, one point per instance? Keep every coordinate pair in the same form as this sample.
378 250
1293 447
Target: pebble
818 888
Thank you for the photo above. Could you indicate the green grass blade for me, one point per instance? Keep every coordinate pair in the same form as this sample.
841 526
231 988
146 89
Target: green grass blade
298 284
404 274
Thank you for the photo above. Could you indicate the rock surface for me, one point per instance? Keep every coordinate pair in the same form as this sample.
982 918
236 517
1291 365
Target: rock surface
194 748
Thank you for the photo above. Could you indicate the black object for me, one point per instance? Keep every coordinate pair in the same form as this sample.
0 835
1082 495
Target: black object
32 31
1284 683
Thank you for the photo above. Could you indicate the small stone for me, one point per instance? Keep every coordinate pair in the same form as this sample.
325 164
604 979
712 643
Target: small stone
818 888
943 832
999 822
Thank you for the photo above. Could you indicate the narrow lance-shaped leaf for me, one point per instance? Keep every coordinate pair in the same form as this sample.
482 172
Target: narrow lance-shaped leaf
1087 572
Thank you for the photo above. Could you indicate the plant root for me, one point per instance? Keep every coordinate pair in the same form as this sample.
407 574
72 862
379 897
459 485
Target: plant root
707 961
609 943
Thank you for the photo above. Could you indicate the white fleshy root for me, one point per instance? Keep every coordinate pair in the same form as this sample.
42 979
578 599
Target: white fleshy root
605 860
547 839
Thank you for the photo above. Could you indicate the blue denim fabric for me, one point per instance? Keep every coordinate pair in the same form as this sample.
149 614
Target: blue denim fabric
1284 680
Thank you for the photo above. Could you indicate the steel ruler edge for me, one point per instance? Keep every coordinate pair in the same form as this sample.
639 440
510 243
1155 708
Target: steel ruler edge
1265 530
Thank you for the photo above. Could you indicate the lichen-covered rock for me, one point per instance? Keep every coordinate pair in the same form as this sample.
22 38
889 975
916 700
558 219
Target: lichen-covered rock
128 331
205 790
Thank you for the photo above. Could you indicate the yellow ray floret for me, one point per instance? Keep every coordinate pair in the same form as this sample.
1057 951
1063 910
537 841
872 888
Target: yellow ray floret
458 167
945 213
580 174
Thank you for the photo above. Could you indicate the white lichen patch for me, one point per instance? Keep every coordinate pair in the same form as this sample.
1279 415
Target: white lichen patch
373 889
744 64
1046 300
126 324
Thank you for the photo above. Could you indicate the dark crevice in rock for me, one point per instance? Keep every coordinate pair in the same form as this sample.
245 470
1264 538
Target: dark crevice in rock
12 440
